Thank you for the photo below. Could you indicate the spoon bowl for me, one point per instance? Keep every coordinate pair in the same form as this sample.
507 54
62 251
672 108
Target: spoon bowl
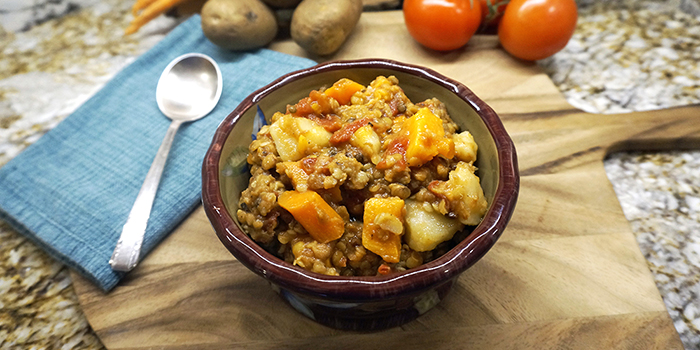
188 89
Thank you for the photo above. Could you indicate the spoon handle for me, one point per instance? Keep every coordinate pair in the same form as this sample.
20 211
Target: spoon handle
126 253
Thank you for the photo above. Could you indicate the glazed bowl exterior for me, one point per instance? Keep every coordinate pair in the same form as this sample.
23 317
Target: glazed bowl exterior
375 302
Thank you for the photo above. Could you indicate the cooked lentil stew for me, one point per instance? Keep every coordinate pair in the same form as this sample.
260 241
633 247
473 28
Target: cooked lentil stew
358 180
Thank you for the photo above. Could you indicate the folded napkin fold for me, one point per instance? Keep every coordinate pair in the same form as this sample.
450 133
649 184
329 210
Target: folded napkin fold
71 191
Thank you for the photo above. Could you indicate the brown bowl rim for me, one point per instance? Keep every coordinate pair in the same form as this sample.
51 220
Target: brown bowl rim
359 288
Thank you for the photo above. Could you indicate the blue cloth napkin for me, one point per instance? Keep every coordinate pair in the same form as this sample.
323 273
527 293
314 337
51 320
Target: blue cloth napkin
71 191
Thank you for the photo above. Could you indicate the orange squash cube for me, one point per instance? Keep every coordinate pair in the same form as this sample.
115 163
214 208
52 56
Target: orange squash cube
426 138
383 226
343 90
313 213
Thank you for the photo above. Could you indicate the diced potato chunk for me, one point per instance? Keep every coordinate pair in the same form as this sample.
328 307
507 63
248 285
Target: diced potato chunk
464 192
426 138
426 228
465 147
382 227
295 137
368 142
313 213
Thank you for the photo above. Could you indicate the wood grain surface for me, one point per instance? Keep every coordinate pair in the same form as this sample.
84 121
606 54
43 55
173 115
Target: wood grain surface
566 274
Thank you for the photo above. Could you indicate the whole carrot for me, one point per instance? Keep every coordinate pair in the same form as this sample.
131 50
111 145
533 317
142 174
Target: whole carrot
153 10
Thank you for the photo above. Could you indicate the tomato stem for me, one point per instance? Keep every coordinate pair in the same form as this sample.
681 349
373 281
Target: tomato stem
493 8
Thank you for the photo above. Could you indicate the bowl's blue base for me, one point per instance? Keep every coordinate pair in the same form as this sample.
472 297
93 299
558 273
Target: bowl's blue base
366 315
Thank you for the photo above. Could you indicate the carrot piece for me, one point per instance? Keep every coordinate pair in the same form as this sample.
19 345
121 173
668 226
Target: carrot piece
313 213
140 5
343 90
426 138
383 226
152 11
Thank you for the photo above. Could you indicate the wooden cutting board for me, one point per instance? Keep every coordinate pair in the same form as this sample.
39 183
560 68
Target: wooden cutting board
567 272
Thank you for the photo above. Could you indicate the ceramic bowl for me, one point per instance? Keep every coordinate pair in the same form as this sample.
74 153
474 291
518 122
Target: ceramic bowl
361 303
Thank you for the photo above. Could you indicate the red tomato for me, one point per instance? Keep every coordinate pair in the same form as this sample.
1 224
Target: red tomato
491 11
536 29
442 25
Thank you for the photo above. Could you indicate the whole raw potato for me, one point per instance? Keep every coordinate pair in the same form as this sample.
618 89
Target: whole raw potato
238 24
283 4
321 26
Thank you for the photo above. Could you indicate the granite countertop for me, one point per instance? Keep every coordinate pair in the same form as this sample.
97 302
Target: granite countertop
625 56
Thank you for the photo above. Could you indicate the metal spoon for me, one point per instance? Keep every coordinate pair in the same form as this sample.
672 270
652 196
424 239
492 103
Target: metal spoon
188 89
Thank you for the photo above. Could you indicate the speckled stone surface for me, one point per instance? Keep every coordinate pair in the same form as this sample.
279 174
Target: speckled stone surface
625 56
45 74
